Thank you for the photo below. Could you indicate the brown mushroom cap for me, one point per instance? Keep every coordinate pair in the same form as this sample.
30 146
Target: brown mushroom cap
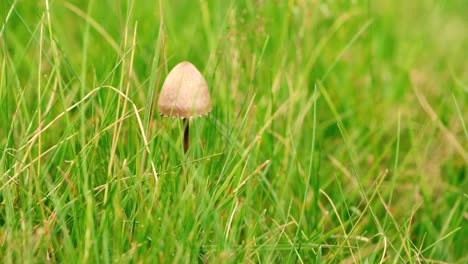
184 93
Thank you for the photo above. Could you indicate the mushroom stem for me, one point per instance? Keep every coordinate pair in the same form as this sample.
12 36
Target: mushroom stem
186 135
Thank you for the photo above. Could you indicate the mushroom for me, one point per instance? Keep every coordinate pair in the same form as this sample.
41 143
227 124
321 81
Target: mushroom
184 95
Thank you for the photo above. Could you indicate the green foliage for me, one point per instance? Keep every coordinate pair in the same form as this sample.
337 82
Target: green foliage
338 132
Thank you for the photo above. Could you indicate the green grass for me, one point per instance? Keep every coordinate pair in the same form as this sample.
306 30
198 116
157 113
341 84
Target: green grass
338 132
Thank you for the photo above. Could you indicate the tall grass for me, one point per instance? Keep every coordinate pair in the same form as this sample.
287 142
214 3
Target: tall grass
338 132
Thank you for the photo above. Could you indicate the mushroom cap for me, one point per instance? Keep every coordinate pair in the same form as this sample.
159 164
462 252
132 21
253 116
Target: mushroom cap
184 93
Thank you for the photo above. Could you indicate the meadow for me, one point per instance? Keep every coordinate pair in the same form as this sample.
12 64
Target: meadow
337 135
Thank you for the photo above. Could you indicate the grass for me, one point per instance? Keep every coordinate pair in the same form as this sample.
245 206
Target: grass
338 132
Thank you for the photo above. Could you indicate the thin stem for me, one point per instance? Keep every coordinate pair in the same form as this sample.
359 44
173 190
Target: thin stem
186 135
